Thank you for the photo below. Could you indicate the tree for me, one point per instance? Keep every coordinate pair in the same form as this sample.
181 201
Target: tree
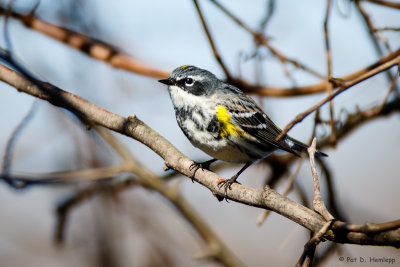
283 56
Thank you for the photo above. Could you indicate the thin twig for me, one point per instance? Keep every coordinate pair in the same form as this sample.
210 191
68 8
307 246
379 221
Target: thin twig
329 68
344 85
384 3
310 247
262 40
65 206
318 203
138 130
211 41
375 36
133 127
331 197
393 83
13 138
290 185
328 251
98 50
92 47
268 16
387 29
355 120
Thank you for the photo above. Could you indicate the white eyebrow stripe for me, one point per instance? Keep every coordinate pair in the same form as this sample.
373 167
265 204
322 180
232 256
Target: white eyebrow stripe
195 78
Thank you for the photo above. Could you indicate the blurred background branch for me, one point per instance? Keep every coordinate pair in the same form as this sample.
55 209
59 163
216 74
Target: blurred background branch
111 171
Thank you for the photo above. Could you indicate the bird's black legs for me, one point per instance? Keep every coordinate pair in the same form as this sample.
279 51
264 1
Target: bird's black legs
228 182
203 165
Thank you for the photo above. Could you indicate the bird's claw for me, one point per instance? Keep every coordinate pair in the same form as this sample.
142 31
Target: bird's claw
195 166
227 184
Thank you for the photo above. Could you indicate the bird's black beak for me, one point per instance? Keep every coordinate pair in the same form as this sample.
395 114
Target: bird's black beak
166 81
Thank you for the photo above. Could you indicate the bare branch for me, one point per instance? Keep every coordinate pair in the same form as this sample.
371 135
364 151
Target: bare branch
262 40
289 188
310 247
353 121
321 224
367 228
329 87
375 36
94 48
117 59
387 29
344 85
268 15
384 3
138 130
210 40
318 203
135 128
12 141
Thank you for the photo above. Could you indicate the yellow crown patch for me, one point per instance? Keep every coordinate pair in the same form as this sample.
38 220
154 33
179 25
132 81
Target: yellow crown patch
184 67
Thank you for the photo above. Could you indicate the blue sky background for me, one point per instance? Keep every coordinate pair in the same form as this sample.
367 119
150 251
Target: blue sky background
167 34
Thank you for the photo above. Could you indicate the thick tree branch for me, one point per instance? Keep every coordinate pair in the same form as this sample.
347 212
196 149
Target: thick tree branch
135 128
132 127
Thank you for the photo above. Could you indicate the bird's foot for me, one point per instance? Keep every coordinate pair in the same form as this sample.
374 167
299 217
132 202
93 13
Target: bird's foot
227 184
202 165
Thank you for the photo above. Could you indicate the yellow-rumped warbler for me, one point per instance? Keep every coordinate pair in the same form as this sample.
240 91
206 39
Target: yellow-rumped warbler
222 121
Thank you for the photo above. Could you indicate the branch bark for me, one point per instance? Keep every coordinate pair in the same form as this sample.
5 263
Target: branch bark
138 130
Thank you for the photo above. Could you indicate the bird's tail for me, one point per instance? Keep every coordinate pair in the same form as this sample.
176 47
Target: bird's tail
297 146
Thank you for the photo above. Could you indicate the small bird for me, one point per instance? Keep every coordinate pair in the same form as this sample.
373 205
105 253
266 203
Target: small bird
222 121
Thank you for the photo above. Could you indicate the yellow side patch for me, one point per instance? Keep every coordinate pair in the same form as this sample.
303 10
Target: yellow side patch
184 67
229 128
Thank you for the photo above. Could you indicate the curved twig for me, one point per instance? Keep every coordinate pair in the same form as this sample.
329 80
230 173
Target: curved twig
344 85
135 128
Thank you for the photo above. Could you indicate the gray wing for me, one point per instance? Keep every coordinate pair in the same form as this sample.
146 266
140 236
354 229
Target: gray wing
246 114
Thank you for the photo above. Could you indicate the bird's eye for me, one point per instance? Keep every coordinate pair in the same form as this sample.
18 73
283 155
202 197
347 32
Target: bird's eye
188 81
